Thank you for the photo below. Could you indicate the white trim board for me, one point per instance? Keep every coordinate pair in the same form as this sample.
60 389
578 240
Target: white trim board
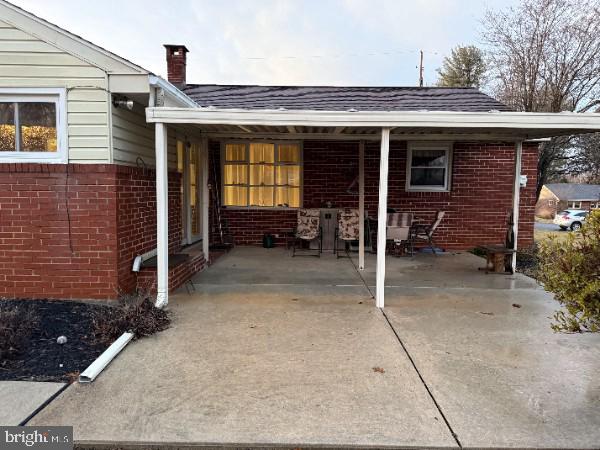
553 123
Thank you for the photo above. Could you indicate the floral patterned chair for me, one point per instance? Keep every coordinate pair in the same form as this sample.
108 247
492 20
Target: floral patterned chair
308 229
346 231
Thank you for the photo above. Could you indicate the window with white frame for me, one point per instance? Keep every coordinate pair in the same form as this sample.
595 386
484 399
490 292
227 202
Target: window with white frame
32 125
262 174
595 205
574 205
428 166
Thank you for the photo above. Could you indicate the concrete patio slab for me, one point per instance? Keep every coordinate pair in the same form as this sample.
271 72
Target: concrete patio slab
278 350
19 399
290 365
501 376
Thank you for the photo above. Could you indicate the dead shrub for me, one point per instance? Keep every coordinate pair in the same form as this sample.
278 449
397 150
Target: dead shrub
17 322
134 313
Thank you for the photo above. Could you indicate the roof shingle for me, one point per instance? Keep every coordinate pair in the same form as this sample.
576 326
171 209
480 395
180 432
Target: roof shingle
572 191
324 98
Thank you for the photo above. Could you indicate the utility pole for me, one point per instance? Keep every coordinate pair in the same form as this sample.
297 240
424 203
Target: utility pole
421 70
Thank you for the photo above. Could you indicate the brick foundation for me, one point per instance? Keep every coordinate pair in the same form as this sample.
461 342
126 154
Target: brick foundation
481 194
72 231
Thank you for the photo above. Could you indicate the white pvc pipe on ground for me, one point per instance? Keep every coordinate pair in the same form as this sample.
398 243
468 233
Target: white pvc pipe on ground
94 369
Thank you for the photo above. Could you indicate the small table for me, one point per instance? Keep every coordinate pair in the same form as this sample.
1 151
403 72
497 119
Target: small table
495 258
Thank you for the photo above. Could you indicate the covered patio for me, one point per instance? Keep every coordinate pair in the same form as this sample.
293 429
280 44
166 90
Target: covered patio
361 127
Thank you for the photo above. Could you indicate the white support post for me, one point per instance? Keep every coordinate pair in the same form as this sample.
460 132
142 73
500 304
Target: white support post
516 201
162 216
361 205
382 217
205 197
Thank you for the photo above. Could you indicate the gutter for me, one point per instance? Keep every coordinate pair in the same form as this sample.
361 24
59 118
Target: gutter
169 89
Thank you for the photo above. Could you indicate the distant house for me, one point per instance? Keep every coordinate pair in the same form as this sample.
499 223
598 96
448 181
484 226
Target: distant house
558 196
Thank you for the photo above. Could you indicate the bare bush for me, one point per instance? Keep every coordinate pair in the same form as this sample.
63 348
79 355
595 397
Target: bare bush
134 313
17 323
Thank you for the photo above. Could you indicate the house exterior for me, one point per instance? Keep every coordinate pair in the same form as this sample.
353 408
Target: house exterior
555 197
103 162
74 213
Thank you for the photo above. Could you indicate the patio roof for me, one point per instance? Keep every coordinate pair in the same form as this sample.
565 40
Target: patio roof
216 122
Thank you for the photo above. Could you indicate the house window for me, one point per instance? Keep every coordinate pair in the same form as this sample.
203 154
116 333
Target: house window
262 174
574 205
32 125
595 205
188 164
428 167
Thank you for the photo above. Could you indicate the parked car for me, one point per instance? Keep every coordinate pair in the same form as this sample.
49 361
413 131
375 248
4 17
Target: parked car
571 218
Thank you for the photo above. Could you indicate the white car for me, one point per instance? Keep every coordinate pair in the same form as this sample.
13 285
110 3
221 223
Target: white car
571 218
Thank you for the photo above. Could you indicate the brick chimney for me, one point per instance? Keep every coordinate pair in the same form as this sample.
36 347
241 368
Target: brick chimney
176 62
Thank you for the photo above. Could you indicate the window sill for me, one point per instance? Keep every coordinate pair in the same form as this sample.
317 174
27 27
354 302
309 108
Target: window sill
8 157
262 208
427 190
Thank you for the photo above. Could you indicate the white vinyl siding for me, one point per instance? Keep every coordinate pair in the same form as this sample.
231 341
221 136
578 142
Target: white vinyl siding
26 62
133 138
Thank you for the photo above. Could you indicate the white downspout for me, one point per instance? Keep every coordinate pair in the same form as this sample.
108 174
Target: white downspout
382 217
162 217
516 201
361 205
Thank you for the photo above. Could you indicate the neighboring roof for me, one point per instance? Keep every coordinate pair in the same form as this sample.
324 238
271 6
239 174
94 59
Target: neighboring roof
572 191
65 40
329 98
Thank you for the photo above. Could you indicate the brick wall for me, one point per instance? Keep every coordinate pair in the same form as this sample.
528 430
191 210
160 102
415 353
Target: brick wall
481 195
58 233
72 231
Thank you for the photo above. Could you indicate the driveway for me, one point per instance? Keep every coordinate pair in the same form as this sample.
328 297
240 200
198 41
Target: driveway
272 350
547 227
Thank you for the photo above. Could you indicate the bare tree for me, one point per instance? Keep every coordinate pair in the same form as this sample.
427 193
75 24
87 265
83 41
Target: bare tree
465 67
545 57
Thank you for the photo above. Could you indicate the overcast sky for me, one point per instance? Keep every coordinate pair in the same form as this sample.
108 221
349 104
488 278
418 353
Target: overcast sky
307 42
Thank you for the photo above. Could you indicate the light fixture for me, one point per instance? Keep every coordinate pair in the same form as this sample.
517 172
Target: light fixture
122 102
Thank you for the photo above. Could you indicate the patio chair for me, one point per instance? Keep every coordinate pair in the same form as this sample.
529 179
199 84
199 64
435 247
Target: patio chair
424 233
398 229
308 229
347 230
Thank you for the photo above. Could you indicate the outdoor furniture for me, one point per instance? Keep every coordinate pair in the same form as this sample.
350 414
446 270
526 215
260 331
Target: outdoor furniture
495 258
398 231
347 230
308 229
424 233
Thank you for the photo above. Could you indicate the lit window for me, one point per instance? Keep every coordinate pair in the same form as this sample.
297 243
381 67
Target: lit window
30 125
428 167
262 174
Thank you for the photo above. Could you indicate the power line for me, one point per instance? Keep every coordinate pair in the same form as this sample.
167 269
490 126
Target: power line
195 56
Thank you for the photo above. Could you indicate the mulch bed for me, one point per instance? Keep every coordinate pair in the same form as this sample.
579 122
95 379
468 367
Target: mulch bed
41 358
527 262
